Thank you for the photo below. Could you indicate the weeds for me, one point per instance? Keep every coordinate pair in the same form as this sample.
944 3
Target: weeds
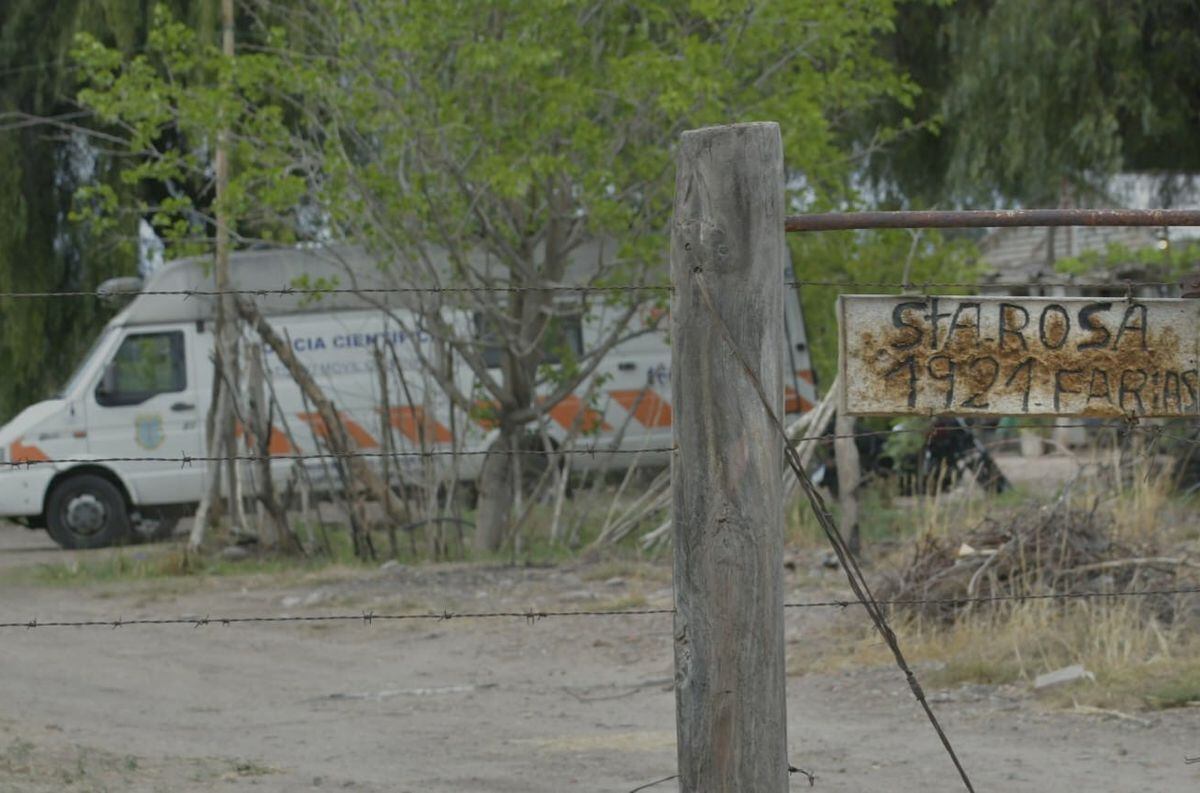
1143 652
174 562
16 758
1138 663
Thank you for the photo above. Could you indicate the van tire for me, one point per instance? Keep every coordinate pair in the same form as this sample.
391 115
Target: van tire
101 518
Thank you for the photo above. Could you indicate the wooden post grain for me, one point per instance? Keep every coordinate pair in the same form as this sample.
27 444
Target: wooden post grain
728 506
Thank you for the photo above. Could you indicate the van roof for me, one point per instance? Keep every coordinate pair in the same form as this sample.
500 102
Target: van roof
273 272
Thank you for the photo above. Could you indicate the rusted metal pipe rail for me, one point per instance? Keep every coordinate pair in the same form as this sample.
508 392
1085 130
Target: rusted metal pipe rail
990 218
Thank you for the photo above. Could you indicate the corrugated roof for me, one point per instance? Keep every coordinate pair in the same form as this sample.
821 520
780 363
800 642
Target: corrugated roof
1019 255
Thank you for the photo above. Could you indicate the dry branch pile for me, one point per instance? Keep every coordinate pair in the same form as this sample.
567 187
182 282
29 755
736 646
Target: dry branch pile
1038 550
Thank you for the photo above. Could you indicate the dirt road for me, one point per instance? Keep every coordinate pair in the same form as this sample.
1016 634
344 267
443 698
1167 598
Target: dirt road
580 704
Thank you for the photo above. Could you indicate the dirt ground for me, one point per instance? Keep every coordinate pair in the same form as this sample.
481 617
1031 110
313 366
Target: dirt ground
575 704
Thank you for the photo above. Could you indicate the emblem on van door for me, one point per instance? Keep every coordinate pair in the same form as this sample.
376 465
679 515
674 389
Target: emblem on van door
148 431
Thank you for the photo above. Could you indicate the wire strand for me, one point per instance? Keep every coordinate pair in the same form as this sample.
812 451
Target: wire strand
533 615
185 460
1119 284
187 294
1126 425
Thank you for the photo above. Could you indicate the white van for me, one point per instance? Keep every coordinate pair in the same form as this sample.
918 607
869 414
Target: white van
103 460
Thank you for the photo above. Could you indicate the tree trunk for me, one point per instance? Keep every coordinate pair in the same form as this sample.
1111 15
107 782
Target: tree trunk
220 433
212 493
495 494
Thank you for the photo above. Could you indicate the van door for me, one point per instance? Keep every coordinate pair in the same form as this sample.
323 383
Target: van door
146 404
640 388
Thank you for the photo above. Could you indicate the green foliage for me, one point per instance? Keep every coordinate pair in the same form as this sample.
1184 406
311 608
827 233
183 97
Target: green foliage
446 120
1173 261
41 169
1030 102
574 107
38 252
514 130
869 263
1035 104
911 442
173 100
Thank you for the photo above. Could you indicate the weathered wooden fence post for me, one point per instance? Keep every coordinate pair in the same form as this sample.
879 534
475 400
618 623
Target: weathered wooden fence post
728 508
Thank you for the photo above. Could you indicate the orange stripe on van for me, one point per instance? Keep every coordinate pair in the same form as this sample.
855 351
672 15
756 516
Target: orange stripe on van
569 410
648 408
25 453
362 439
277 445
793 402
412 421
806 375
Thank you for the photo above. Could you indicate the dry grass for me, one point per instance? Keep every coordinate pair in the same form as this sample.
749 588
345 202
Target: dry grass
1131 656
634 570
1138 663
884 517
1143 652
1139 502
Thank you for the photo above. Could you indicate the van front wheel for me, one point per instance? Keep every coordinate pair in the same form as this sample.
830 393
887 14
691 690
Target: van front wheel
87 511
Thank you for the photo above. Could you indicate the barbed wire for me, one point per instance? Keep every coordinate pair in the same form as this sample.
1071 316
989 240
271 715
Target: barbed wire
1127 425
925 285
1122 425
366 617
186 460
973 599
988 218
289 291
320 291
811 777
534 615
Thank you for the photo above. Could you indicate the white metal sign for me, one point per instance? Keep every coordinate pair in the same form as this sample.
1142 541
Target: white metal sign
1056 356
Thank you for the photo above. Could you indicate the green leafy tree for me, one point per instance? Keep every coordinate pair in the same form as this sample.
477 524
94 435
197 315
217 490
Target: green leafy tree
1034 102
489 144
847 262
48 149
1165 262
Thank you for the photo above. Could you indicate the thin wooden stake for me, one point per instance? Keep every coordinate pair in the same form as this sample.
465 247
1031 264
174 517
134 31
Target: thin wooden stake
273 528
389 446
213 491
226 328
848 477
353 468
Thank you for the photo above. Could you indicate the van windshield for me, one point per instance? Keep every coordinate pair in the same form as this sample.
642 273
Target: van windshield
73 380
